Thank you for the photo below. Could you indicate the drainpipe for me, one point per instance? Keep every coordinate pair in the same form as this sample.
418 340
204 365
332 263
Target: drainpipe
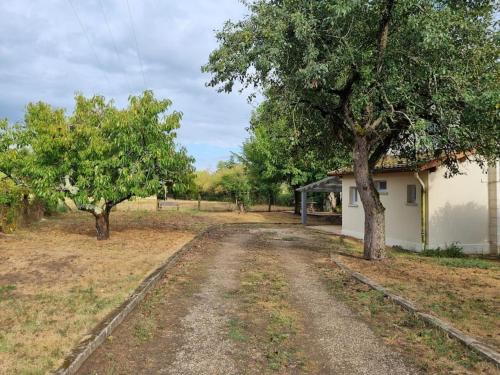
423 212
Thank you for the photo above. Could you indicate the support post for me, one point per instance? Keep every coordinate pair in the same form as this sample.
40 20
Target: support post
303 210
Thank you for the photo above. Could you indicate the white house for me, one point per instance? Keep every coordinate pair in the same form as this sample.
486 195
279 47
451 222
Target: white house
424 209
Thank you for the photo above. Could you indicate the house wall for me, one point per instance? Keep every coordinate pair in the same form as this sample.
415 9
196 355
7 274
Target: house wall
403 226
458 209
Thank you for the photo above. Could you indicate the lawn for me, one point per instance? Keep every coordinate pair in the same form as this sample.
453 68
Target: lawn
57 282
461 291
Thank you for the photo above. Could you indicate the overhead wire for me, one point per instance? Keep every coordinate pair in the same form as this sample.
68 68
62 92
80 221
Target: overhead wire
113 42
136 43
89 41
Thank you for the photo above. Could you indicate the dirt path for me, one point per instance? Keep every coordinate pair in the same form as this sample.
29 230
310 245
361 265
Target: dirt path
206 347
347 345
247 301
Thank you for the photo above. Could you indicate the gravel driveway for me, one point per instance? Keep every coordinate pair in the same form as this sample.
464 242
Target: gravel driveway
246 301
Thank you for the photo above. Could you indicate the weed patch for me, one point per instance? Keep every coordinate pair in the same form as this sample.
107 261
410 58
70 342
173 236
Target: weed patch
6 292
450 251
144 329
236 330
466 263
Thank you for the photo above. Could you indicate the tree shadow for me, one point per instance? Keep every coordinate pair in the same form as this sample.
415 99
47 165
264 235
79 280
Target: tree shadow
465 224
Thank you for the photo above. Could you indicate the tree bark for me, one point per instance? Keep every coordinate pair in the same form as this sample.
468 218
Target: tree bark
296 200
102 225
374 237
332 198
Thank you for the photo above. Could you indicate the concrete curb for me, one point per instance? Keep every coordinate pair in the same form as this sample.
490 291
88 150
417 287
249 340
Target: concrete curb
78 356
469 341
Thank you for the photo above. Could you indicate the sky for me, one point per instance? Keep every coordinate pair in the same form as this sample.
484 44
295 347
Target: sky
51 49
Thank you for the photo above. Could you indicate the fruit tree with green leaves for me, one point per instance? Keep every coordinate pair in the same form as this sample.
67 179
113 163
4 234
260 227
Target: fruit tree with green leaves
416 78
101 155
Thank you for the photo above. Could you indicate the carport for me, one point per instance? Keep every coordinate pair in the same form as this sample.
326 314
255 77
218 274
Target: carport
332 184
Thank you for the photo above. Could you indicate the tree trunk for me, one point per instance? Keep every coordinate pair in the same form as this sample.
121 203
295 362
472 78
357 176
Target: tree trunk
374 241
297 198
241 207
332 198
102 225
270 205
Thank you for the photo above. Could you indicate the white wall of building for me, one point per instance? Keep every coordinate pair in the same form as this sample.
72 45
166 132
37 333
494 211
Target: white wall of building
403 226
458 209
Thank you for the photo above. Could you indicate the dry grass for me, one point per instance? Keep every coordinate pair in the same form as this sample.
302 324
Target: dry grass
57 282
463 292
217 206
427 348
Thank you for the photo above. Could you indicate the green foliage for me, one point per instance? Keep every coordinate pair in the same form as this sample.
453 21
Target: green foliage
229 182
419 78
11 199
279 150
233 181
101 155
451 251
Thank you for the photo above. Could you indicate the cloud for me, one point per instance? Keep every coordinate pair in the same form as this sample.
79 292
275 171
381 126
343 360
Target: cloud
47 56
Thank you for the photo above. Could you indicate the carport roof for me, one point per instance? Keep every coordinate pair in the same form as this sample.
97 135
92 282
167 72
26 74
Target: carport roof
332 184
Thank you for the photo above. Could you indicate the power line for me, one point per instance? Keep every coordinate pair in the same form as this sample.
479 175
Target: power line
136 43
89 41
115 48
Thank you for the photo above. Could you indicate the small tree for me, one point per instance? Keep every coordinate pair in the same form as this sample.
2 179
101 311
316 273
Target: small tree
414 77
101 155
231 179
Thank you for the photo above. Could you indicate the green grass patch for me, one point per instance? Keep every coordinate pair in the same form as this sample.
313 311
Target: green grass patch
144 329
6 292
466 263
236 331
450 251
289 238
451 256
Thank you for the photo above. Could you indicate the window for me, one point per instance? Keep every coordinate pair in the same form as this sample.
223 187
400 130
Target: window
353 196
381 186
411 194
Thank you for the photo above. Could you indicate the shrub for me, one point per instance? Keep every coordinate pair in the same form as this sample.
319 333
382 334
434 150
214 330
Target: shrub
450 251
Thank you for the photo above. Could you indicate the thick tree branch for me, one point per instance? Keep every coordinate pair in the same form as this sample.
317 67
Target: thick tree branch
383 33
16 180
380 150
111 204
345 95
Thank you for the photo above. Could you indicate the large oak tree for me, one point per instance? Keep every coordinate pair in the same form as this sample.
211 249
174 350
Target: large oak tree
416 78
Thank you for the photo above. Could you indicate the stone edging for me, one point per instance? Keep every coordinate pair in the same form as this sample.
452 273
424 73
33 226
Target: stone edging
469 341
76 359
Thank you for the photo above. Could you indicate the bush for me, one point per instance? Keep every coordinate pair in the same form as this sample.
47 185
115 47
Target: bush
284 198
18 206
450 251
